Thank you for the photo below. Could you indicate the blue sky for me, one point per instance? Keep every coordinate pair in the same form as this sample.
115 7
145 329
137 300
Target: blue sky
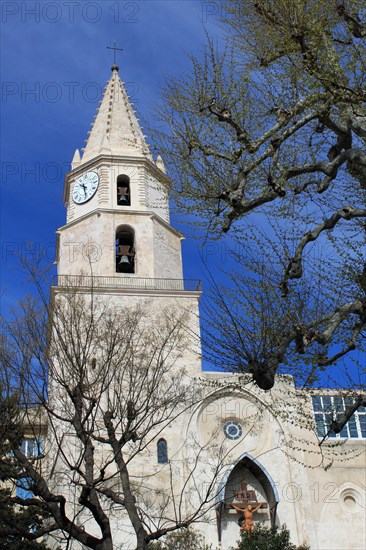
54 66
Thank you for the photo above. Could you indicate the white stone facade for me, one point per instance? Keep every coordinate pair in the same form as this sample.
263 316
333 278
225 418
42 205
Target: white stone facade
277 452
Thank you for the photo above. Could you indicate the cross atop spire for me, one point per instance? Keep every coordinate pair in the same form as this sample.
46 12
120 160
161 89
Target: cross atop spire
115 49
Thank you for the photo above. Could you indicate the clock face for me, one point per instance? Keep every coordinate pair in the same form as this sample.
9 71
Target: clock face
85 187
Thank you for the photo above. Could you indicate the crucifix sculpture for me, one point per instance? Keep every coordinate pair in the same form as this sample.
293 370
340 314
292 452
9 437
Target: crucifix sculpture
247 506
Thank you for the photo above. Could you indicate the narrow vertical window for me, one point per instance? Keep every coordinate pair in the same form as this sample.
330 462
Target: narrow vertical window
32 448
125 250
123 190
162 448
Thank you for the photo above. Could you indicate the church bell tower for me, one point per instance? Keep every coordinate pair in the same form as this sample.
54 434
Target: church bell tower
118 239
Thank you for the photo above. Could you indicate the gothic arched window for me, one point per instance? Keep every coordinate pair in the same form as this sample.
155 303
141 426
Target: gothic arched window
125 250
123 190
162 448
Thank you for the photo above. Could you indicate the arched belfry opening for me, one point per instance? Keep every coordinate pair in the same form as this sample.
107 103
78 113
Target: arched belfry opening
248 484
125 250
123 190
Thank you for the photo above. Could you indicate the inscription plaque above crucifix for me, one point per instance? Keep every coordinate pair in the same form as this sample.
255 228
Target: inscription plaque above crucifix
245 494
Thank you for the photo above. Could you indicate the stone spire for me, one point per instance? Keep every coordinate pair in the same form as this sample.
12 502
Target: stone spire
115 128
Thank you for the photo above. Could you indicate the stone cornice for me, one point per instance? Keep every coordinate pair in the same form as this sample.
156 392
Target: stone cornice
112 211
131 292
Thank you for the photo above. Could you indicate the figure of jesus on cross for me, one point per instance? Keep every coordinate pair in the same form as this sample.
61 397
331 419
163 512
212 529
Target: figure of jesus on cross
246 509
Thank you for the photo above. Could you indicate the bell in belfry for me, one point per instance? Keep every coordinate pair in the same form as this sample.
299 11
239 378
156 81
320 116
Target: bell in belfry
123 198
124 260
123 194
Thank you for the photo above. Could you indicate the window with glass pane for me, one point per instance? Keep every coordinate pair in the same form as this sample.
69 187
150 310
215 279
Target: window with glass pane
23 488
162 449
329 407
32 447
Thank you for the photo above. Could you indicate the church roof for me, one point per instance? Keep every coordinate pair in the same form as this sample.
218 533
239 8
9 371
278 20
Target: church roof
115 130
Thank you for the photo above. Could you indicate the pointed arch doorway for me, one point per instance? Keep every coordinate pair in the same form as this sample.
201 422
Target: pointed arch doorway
247 483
